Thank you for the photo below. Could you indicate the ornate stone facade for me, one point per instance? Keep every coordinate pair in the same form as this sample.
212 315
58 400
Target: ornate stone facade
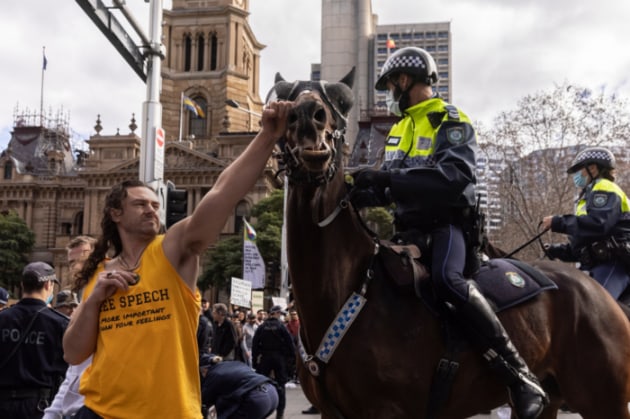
212 55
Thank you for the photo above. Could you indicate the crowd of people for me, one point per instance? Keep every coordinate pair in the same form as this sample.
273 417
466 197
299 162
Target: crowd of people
132 337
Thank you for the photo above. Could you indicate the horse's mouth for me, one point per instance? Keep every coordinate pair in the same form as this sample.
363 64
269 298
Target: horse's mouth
313 157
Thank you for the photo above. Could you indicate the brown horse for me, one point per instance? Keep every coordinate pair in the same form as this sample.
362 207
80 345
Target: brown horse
575 339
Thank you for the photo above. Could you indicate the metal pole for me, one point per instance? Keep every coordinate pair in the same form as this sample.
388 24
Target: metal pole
151 153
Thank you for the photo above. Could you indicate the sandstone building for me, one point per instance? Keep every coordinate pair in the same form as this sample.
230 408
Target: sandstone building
211 56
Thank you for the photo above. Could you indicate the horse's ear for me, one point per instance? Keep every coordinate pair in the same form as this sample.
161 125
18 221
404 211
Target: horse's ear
278 78
348 80
340 93
280 91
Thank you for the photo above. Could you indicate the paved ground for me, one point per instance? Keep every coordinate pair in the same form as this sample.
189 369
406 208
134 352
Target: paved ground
296 402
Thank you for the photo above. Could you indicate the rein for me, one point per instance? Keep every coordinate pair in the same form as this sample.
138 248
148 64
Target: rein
524 245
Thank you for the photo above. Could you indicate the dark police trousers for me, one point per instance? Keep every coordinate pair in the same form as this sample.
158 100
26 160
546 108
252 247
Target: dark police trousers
24 403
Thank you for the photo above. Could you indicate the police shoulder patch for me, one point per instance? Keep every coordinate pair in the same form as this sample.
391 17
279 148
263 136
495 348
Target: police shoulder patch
393 141
423 143
600 200
515 279
455 135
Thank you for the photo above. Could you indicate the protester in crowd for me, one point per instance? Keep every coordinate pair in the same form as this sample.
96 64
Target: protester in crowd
225 338
66 302
236 391
205 309
204 335
272 347
249 328
261 316
68 401
141 304
31 353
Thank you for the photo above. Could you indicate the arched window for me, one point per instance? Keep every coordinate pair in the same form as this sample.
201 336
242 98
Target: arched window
213 52
197 125
200 52
8 170
187 52
77 227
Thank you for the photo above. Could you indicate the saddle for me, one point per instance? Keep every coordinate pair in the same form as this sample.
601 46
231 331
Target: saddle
504 282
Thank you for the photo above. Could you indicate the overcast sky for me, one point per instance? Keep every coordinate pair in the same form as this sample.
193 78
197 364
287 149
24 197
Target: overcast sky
502 51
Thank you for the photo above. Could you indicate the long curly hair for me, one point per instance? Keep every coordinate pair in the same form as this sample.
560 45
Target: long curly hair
110 239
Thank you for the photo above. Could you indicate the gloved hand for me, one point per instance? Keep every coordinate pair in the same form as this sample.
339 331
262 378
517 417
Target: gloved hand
366 178
555 251
370 188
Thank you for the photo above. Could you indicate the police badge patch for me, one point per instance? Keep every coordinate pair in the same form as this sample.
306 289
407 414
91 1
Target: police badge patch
393 141
600 200
515 279
455 135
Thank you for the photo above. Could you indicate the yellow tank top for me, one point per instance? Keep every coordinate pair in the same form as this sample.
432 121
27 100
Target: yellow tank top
146 359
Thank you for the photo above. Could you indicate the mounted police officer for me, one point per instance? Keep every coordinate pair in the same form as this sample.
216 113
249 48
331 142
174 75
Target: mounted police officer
31 353
272 347
599 232
429 173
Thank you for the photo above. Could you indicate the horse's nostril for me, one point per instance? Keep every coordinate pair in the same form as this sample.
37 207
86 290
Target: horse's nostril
320 116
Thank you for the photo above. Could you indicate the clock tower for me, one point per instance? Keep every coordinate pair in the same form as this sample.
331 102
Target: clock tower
212 55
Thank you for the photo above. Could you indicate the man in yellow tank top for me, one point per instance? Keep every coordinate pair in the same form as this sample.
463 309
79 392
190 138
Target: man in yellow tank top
140 307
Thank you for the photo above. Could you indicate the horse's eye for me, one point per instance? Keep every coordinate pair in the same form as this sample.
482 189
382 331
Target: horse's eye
320 116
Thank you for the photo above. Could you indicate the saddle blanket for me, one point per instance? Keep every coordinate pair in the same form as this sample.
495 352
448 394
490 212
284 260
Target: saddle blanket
508 282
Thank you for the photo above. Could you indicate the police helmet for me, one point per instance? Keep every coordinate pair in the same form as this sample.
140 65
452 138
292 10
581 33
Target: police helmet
410 60
600 156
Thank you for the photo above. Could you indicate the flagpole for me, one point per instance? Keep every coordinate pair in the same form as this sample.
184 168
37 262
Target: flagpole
41 94
181 105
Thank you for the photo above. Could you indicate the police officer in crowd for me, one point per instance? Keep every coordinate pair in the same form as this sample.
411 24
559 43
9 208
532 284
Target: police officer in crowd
4 298
31 354
66 302
235 390
429 173
599 231
272 348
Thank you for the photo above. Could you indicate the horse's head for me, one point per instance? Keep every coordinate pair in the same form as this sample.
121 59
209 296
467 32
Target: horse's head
316 126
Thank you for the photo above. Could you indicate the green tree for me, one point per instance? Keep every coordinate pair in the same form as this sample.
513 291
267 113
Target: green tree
225 260
380 220
16 242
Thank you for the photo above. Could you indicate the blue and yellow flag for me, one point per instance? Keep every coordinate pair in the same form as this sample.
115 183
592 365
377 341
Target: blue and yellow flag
193 107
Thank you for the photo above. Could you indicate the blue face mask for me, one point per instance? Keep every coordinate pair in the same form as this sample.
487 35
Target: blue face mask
392 104
579 180
49 299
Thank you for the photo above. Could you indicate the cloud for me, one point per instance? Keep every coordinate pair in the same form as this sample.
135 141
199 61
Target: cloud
502 51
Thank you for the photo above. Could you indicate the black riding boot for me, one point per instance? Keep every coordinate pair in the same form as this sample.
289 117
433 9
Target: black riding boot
528 397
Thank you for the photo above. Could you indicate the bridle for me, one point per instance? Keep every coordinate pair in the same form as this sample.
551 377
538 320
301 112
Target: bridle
295 171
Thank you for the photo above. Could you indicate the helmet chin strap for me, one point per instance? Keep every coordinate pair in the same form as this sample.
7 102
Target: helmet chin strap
590 175
403 97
